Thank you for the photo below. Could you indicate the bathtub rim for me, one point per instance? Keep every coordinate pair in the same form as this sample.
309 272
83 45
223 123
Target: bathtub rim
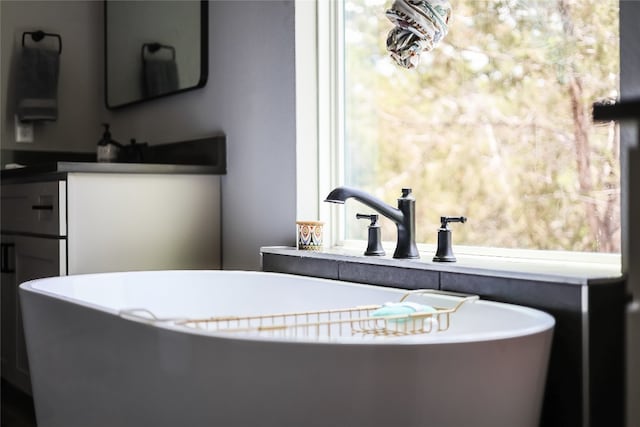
547 322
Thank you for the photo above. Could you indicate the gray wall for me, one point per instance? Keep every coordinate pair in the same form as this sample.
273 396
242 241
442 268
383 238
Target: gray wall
250 96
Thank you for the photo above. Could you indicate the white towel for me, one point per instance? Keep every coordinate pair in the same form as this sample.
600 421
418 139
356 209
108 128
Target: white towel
419 26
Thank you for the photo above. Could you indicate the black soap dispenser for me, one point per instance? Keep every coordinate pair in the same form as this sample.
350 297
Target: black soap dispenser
107 147
374 244
445 252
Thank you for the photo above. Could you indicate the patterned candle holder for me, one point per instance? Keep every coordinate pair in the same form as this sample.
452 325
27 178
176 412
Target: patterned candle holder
310 235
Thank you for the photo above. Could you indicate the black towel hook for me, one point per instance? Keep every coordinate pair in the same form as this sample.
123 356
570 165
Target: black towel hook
154 47
36 36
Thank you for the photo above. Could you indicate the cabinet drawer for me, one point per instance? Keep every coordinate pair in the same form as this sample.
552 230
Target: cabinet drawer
35 208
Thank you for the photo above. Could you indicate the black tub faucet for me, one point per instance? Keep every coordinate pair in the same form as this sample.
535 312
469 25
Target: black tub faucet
403 216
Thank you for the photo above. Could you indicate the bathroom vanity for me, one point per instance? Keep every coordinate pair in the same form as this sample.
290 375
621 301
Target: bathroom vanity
585 382
68 218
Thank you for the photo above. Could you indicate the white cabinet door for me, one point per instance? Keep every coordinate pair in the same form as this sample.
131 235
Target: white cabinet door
127 222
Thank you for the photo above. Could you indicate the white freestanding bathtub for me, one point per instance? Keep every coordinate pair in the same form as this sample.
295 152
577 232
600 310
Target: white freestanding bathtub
96 362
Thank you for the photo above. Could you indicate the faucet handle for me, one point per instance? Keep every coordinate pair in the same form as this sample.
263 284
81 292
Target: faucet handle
373 218
374 241
407 195
444 253
444 220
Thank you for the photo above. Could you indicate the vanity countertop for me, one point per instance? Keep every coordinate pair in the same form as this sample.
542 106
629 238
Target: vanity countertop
54 170
199 156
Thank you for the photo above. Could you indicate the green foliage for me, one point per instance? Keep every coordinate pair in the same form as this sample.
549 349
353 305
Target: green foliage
484 126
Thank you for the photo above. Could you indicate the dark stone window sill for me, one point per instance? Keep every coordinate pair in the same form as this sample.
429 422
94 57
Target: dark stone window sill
347 264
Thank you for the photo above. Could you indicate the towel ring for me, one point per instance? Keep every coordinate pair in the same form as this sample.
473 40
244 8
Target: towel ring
36 36
154 47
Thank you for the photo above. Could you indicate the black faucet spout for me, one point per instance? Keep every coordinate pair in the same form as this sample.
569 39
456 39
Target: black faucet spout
403 216
341 194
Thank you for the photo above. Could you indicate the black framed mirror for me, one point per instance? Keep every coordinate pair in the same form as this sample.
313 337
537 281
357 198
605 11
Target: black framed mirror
153 49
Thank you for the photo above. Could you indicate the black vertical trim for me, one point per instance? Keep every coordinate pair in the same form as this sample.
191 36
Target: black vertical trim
607 357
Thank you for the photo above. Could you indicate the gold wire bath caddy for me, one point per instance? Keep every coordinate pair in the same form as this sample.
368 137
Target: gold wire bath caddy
343 322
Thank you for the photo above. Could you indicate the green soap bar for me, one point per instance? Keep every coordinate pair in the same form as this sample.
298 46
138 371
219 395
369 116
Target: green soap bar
402 308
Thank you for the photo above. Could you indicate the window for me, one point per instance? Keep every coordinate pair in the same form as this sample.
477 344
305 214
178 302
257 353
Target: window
494 124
